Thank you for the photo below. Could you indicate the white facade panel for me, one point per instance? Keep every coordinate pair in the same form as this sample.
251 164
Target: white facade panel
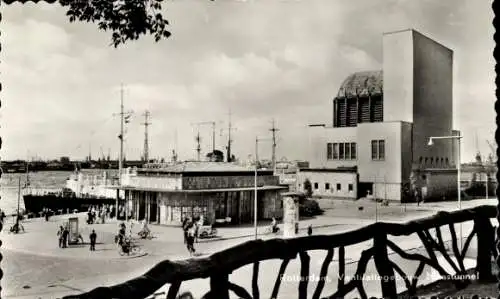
320 137
398 76
325 184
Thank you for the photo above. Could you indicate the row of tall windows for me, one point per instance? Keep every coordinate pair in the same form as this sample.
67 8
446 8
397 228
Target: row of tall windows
341 151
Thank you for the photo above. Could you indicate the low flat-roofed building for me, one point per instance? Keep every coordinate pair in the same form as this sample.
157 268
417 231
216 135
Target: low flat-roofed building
166 194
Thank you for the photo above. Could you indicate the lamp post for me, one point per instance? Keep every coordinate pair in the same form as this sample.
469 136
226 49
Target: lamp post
459 189
257 139
255 185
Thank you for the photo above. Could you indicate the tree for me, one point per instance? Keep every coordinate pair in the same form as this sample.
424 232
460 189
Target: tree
126 19
308 188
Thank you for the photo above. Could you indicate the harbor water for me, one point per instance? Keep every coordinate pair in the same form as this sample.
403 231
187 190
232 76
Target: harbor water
52 180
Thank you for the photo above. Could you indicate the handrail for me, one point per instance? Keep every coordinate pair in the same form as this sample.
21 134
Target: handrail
224 262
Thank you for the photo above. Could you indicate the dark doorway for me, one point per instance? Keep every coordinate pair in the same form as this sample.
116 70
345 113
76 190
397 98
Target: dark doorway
261 207
153 207
142 206
363 189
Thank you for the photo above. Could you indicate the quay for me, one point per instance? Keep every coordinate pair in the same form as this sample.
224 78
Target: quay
76 270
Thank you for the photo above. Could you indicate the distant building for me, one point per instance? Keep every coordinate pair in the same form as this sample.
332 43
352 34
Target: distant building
220 191
382 121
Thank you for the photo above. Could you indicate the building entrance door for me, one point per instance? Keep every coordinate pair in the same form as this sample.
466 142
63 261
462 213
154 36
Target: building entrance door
153 208
142 206
363 189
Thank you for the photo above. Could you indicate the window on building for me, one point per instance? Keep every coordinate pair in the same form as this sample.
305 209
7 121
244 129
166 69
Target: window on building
378 149
347 151
339 187
341 151
374 150
335 151
329 151
353 150
351 187
327 186
381 149
316 186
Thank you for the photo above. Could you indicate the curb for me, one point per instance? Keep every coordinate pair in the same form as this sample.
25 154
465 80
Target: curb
264 234
85 257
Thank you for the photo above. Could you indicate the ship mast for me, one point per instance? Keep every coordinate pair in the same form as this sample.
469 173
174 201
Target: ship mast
120 162
146 136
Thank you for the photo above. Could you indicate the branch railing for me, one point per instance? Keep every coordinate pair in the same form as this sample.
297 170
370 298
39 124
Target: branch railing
220 265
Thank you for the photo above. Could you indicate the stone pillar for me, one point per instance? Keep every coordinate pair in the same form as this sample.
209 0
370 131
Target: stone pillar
290 215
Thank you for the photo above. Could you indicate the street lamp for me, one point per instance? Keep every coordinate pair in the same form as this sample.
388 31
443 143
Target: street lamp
255 182
459 138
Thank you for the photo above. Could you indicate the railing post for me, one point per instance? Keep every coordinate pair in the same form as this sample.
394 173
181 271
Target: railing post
485 239
383 265
219 286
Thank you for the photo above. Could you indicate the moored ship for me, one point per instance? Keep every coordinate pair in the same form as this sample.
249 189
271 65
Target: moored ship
81 192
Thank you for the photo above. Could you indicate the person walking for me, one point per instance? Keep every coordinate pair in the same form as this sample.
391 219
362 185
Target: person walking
60 236
2 216
93 238
185 229
309 230
65 235
190 240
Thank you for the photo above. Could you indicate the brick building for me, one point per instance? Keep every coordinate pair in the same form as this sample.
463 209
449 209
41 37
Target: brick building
166 194
382 121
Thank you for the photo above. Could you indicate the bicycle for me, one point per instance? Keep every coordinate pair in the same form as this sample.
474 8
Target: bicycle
145 235
127 247
272 230
16 228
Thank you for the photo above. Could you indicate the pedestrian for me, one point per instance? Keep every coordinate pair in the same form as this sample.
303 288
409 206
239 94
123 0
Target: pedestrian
93 237
296 227
46 211
185 229
65 237
60 236
190 240
2 216
309 230
196 230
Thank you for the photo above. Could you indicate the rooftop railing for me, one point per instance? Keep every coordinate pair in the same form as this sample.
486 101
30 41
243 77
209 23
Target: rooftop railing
220 265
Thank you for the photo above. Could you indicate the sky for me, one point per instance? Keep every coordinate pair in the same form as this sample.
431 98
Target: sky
258 59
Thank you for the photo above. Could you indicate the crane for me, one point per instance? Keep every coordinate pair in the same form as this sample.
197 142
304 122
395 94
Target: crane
198 138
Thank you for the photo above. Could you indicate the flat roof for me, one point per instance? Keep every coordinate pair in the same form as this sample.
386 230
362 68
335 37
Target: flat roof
346 169
261 188
200 167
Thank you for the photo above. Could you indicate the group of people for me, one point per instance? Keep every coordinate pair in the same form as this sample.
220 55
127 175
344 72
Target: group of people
63 235
99 214
190 228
